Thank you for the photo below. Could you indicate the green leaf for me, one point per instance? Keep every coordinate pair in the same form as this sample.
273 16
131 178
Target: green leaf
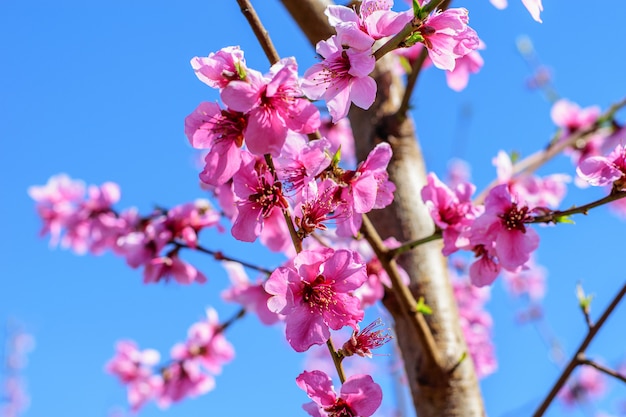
565 219
584 300
515 156
336 157
423 308
417 9
413 38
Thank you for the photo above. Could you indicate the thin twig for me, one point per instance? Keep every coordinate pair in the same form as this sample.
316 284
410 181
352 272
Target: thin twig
533 162
219 256
337 359
603 369
405 247
259 30
411 82
403 294
579 355
555 216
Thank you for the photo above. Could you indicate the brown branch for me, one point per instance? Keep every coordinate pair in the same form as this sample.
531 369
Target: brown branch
219 256
533 162
555 216
603 369
261 34
579 355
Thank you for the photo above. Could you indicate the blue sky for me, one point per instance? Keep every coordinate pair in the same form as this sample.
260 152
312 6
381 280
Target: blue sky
100 91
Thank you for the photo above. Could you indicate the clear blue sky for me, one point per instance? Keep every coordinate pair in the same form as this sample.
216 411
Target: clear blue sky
99 90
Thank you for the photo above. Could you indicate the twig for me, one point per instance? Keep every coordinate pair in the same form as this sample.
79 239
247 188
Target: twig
403 294
554 216
259 30
219 256
603 369
405 247
411 83
532 162
579 355
336 360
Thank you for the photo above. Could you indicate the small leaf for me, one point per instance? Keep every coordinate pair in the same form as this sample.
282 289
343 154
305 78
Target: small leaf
584 300
412 39
336 157
417 9
565 219
423 308
241 70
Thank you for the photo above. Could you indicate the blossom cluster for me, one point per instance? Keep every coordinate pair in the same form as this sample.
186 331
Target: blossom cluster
188 374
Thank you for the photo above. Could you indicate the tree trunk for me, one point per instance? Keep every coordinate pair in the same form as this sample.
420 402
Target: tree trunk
453 391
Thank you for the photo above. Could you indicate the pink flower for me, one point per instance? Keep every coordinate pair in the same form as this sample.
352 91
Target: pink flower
470 63
342 78
183 379
501 232
359 396
129 363
570 117
206 344
273 104
315 294
319 205
529 282
375 18
366 189
220 131
220 68
301 161
452 211
171 266
186 220
362 342
448 37
340 137
258 194
252 296
609 170
587 385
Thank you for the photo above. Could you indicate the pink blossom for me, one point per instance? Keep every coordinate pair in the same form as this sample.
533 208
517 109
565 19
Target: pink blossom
319 205
359 396
501 232
448 37
587 385
470 63
366 189
537 191
252 296
183 379
452 211
220 131
258 194
221 67
476 323
571 118
530 282
130 363
171 266
273 104
315 294
206 344
375 18
341 78
186 220
609 170
301 161
340 137
363 341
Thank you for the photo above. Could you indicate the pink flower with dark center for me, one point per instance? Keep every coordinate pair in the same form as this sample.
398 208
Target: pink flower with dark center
342 78
448 37
359 396
587 385
274 104
186 220
571 118
220 131
301 161
319 205
315 294
221 67
129 363
502 231
258 194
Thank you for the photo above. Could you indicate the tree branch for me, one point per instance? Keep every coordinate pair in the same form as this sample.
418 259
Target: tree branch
579 355
261 34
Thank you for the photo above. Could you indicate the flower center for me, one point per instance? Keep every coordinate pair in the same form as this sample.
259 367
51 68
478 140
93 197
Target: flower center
318 294
340 409
514 218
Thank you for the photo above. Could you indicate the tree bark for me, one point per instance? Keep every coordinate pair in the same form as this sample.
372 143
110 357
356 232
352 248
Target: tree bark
437 392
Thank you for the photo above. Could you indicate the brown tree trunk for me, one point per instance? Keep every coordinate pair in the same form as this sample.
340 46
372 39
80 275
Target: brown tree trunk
453 391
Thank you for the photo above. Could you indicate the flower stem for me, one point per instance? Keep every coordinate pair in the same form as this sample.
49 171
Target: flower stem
337 359
405 247
555 216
